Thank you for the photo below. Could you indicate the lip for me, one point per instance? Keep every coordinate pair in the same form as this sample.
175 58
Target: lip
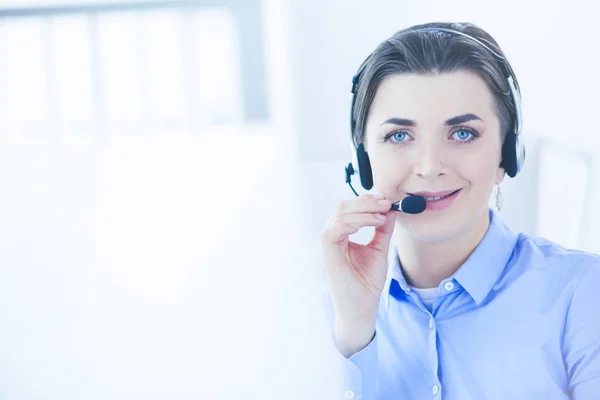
442 204
433 194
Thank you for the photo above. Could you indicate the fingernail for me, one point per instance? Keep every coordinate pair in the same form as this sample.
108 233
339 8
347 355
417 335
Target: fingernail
378 196
383 202
380 216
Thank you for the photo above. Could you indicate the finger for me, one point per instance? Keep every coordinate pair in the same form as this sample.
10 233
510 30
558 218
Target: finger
340 227
383 233
366 203
360 220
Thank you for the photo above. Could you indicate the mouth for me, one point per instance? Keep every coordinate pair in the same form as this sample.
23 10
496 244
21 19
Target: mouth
438 200
435 196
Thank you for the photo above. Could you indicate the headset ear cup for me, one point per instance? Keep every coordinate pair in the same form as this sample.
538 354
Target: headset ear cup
364 167
520 154
509 155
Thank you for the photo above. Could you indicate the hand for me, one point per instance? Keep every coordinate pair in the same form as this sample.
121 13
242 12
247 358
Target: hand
356 273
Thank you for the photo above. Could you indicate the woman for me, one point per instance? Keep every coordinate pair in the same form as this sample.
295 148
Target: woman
449 302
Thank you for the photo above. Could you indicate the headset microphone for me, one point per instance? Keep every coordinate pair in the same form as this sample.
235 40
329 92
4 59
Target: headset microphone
410 205
413 204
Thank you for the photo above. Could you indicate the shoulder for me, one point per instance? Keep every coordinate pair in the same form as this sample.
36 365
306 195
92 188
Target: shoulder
567 281
540 253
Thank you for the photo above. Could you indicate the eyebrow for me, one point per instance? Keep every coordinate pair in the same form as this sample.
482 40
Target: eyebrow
460 119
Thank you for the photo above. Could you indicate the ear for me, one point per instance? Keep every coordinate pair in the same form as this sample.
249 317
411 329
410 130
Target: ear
500 173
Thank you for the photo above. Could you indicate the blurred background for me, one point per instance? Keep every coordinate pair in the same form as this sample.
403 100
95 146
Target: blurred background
167 166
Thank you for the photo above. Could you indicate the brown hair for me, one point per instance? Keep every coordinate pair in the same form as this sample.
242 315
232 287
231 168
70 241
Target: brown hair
436 52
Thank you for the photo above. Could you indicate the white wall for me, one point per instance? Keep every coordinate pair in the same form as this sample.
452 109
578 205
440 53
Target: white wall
163 265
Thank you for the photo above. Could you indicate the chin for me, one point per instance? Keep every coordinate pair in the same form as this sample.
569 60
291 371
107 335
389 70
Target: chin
430 231
437 227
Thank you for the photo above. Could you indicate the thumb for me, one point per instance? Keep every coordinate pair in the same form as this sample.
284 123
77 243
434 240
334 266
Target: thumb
383 234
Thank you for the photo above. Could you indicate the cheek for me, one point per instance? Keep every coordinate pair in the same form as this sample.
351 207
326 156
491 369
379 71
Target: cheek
388 171
481 170
483 159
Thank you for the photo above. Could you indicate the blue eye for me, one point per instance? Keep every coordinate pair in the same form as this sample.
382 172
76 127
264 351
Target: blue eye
461 135
399 136
464 135
396 137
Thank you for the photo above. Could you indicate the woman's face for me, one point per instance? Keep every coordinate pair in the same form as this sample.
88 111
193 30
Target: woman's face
435 135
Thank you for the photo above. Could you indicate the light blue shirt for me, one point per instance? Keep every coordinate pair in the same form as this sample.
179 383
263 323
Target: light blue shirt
520 319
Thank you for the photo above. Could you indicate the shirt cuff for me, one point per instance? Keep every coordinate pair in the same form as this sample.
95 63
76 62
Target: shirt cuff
359 373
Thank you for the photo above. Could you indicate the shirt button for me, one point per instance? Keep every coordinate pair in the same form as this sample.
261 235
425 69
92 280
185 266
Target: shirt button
448 286
435 389
430 322
349 394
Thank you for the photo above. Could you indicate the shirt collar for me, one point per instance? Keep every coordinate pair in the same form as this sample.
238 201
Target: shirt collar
479 272
394 273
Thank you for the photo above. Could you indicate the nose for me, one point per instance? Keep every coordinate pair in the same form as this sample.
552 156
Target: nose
429 163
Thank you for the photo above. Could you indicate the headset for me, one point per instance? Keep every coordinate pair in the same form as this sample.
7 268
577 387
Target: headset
513 149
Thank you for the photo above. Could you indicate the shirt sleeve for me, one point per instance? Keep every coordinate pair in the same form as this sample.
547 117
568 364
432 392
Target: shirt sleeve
359 373
358 380
581 343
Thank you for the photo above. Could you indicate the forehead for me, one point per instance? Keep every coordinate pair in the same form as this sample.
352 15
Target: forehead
431 97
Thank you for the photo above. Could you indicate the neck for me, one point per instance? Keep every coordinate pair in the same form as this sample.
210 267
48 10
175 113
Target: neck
426 264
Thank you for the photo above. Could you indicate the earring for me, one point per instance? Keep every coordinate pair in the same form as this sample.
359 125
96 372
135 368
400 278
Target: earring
499 198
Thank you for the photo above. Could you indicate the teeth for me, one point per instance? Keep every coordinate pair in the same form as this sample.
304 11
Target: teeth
438 197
